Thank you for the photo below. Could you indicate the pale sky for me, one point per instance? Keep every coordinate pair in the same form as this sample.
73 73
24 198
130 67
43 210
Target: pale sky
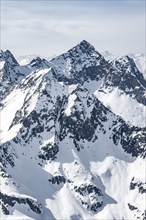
53 27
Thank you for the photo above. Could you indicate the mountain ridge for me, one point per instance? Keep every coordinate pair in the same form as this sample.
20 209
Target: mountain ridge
76 154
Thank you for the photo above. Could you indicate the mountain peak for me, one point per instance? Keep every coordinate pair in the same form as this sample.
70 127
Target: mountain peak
85 43
38 63
85 46
37 59
125 59
8 56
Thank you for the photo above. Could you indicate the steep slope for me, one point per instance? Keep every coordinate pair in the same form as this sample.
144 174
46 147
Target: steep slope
74 154
80 64
64 155
11 73
117 81
125 85
139 59
113 82
126 77
38 63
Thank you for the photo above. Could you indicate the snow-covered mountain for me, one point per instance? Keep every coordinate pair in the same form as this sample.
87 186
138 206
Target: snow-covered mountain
64 154
26 59
139 59
11 73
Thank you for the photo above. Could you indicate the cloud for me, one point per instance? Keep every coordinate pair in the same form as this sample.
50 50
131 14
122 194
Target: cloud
30 26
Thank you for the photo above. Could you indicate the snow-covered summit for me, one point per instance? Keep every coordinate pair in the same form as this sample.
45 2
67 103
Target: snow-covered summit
38 63
124 62
11 73
139 59
83 47
125 76
79 64
7 56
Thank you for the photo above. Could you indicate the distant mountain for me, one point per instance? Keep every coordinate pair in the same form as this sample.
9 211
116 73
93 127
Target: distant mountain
38 63
70 148
26 59
108 56
139 59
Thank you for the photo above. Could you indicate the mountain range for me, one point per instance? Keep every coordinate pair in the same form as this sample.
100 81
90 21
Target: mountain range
73 137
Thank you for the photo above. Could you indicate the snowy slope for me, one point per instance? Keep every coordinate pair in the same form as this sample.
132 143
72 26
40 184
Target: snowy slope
83 64
64 155
124 91
11 73
133 112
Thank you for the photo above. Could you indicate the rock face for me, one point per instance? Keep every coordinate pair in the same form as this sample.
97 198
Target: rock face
38 63
127 78
11 73
10 201
62 149
80 64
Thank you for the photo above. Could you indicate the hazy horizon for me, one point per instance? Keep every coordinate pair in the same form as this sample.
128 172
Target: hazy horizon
46 27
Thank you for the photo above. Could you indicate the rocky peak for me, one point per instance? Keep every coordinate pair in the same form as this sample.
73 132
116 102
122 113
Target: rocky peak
11 73
80 63
125 76
8 58
84 49
126 65
85 44
38 63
